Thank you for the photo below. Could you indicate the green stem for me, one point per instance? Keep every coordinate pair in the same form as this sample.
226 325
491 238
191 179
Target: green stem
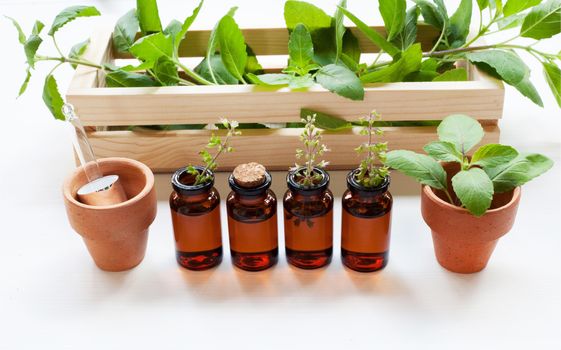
192 74
56 46
69 60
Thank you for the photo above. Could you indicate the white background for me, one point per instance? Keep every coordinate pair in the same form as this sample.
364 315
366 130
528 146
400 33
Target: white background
52 295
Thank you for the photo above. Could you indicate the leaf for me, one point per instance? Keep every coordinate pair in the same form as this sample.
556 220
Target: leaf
474 189
25 82
270 79
326 121
166 71
125 31
221 75
120 78
78 50
393 14
148 16
543 21
373 35
71 13
152 47
511 21
419 166
553 77
339 29
21 35
30 47
430 14
296 12
301 82
410 61
340 80
506 65
186 25
444 151
458 29
483 4
212 46
514 6
351 47
492 155
252 65
232 46
300 47
52 98
457 74
408 35
518 171
462 131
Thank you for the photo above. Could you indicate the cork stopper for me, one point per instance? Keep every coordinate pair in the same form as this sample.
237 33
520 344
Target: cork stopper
249 175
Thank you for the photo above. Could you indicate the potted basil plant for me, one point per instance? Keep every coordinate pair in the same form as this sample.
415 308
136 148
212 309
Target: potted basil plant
469 202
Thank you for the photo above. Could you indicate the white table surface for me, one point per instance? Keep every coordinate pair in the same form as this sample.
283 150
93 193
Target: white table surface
53 297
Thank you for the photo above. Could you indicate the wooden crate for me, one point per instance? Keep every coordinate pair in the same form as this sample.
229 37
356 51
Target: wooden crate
100 107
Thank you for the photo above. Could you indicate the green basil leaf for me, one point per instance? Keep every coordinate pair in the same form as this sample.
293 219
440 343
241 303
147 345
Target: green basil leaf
165 71
351 47
393 14
410 61
252 65
186 25
462 131
125 31
232 46
339 29
148 16
553 77
301 82
506 65
212 46
492 155
173 28
458 29
78 50
483 4
419 166
71 13
120 78
138 68
444 151
52 97
152 47
511 21
543 21
23 86
270 79
300 47
326 121
431 14
408 35
220 75
373 35
474 189
457 74
514 6
311 16
30 47
518 171
340 80
37 27
21 34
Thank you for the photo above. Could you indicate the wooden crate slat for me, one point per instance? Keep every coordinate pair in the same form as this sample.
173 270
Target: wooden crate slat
167 151
257 104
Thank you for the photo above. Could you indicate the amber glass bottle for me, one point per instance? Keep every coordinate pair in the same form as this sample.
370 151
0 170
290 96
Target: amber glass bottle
252 225
366 225
308 222
195 214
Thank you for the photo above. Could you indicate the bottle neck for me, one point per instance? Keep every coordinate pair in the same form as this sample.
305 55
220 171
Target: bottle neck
194 198
253 199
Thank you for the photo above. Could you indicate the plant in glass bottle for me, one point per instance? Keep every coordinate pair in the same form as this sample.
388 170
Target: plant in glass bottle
195 206
367 205
308 204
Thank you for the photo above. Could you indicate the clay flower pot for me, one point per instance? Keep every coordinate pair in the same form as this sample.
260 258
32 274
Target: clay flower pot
115 235
464 243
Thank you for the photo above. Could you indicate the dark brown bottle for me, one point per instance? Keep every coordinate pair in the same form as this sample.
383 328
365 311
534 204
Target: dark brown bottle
308 222
195 214
365 225
252 224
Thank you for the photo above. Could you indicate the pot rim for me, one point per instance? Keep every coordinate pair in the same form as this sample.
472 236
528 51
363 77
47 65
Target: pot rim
149 176
317 188
427 190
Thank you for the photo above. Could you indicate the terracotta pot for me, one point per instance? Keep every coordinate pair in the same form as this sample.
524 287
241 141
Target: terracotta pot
464 243
115 235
